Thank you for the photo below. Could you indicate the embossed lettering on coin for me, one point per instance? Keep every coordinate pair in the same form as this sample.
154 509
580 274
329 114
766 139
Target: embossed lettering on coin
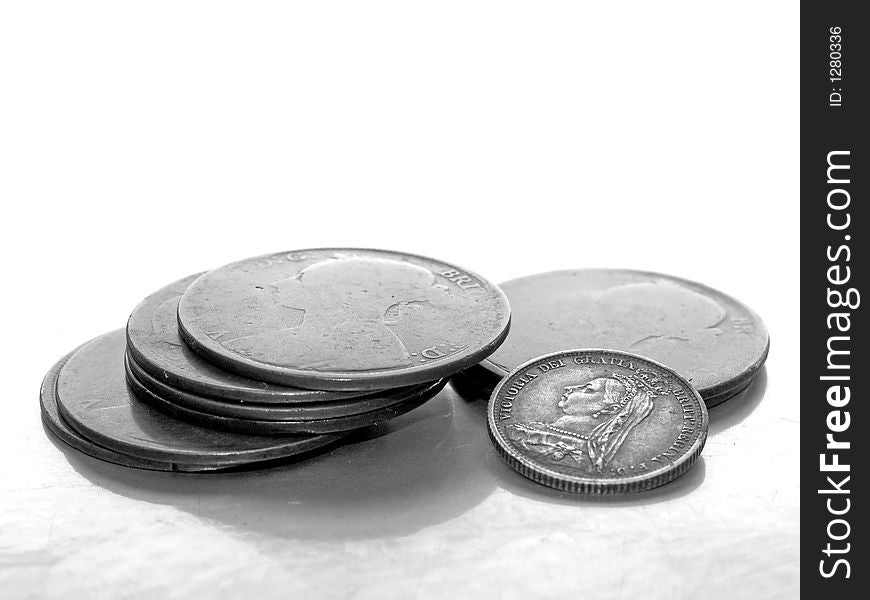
343 318
597 421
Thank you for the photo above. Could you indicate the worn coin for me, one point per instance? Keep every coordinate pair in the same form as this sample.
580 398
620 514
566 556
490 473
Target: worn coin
711 339
311 426
270 412
597 421
58 427
66 434
343 319
94 399
153 341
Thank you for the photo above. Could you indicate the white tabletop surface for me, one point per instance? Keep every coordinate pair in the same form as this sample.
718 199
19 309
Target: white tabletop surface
144 143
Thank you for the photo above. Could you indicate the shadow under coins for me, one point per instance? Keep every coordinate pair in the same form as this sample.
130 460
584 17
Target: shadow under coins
420 469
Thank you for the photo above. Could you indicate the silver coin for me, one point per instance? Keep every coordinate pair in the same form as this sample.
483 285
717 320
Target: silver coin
711 339
343 319
94 399
153 341
597 421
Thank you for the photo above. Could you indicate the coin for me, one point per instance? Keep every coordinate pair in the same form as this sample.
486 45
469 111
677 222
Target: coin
94 399
58 427
343 319
597 421
153 341
269 412
66 434
711 339
311 426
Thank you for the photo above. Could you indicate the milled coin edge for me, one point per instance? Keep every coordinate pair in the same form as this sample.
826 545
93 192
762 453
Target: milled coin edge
581 485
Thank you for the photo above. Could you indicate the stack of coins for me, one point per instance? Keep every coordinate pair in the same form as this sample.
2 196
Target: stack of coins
603 383
272 357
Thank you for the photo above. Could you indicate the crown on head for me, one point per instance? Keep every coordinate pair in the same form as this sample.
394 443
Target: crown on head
654 383
649 381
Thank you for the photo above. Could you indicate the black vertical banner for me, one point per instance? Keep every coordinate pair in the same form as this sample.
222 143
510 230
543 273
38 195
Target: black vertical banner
835 221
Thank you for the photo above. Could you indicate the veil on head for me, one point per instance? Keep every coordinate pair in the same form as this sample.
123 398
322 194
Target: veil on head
634 406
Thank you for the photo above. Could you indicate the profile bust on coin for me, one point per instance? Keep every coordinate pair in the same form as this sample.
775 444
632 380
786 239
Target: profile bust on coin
716 342
345 319
597 421
599 415
308 319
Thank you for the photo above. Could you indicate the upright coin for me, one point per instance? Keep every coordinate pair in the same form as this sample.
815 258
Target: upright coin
710 338
154 343
597 422
94 399
343 319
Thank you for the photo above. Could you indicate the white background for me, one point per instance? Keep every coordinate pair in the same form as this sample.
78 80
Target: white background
141 142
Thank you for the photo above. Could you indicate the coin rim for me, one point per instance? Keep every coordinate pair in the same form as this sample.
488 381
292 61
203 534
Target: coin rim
584 485
311 427
347 380
286 448
715 391
62 431
55 424
267 412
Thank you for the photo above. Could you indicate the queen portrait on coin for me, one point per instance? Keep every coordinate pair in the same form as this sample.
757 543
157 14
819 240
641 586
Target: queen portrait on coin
598 416
309 320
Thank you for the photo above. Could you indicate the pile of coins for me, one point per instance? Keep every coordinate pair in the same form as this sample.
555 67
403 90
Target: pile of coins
601 386
272 357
